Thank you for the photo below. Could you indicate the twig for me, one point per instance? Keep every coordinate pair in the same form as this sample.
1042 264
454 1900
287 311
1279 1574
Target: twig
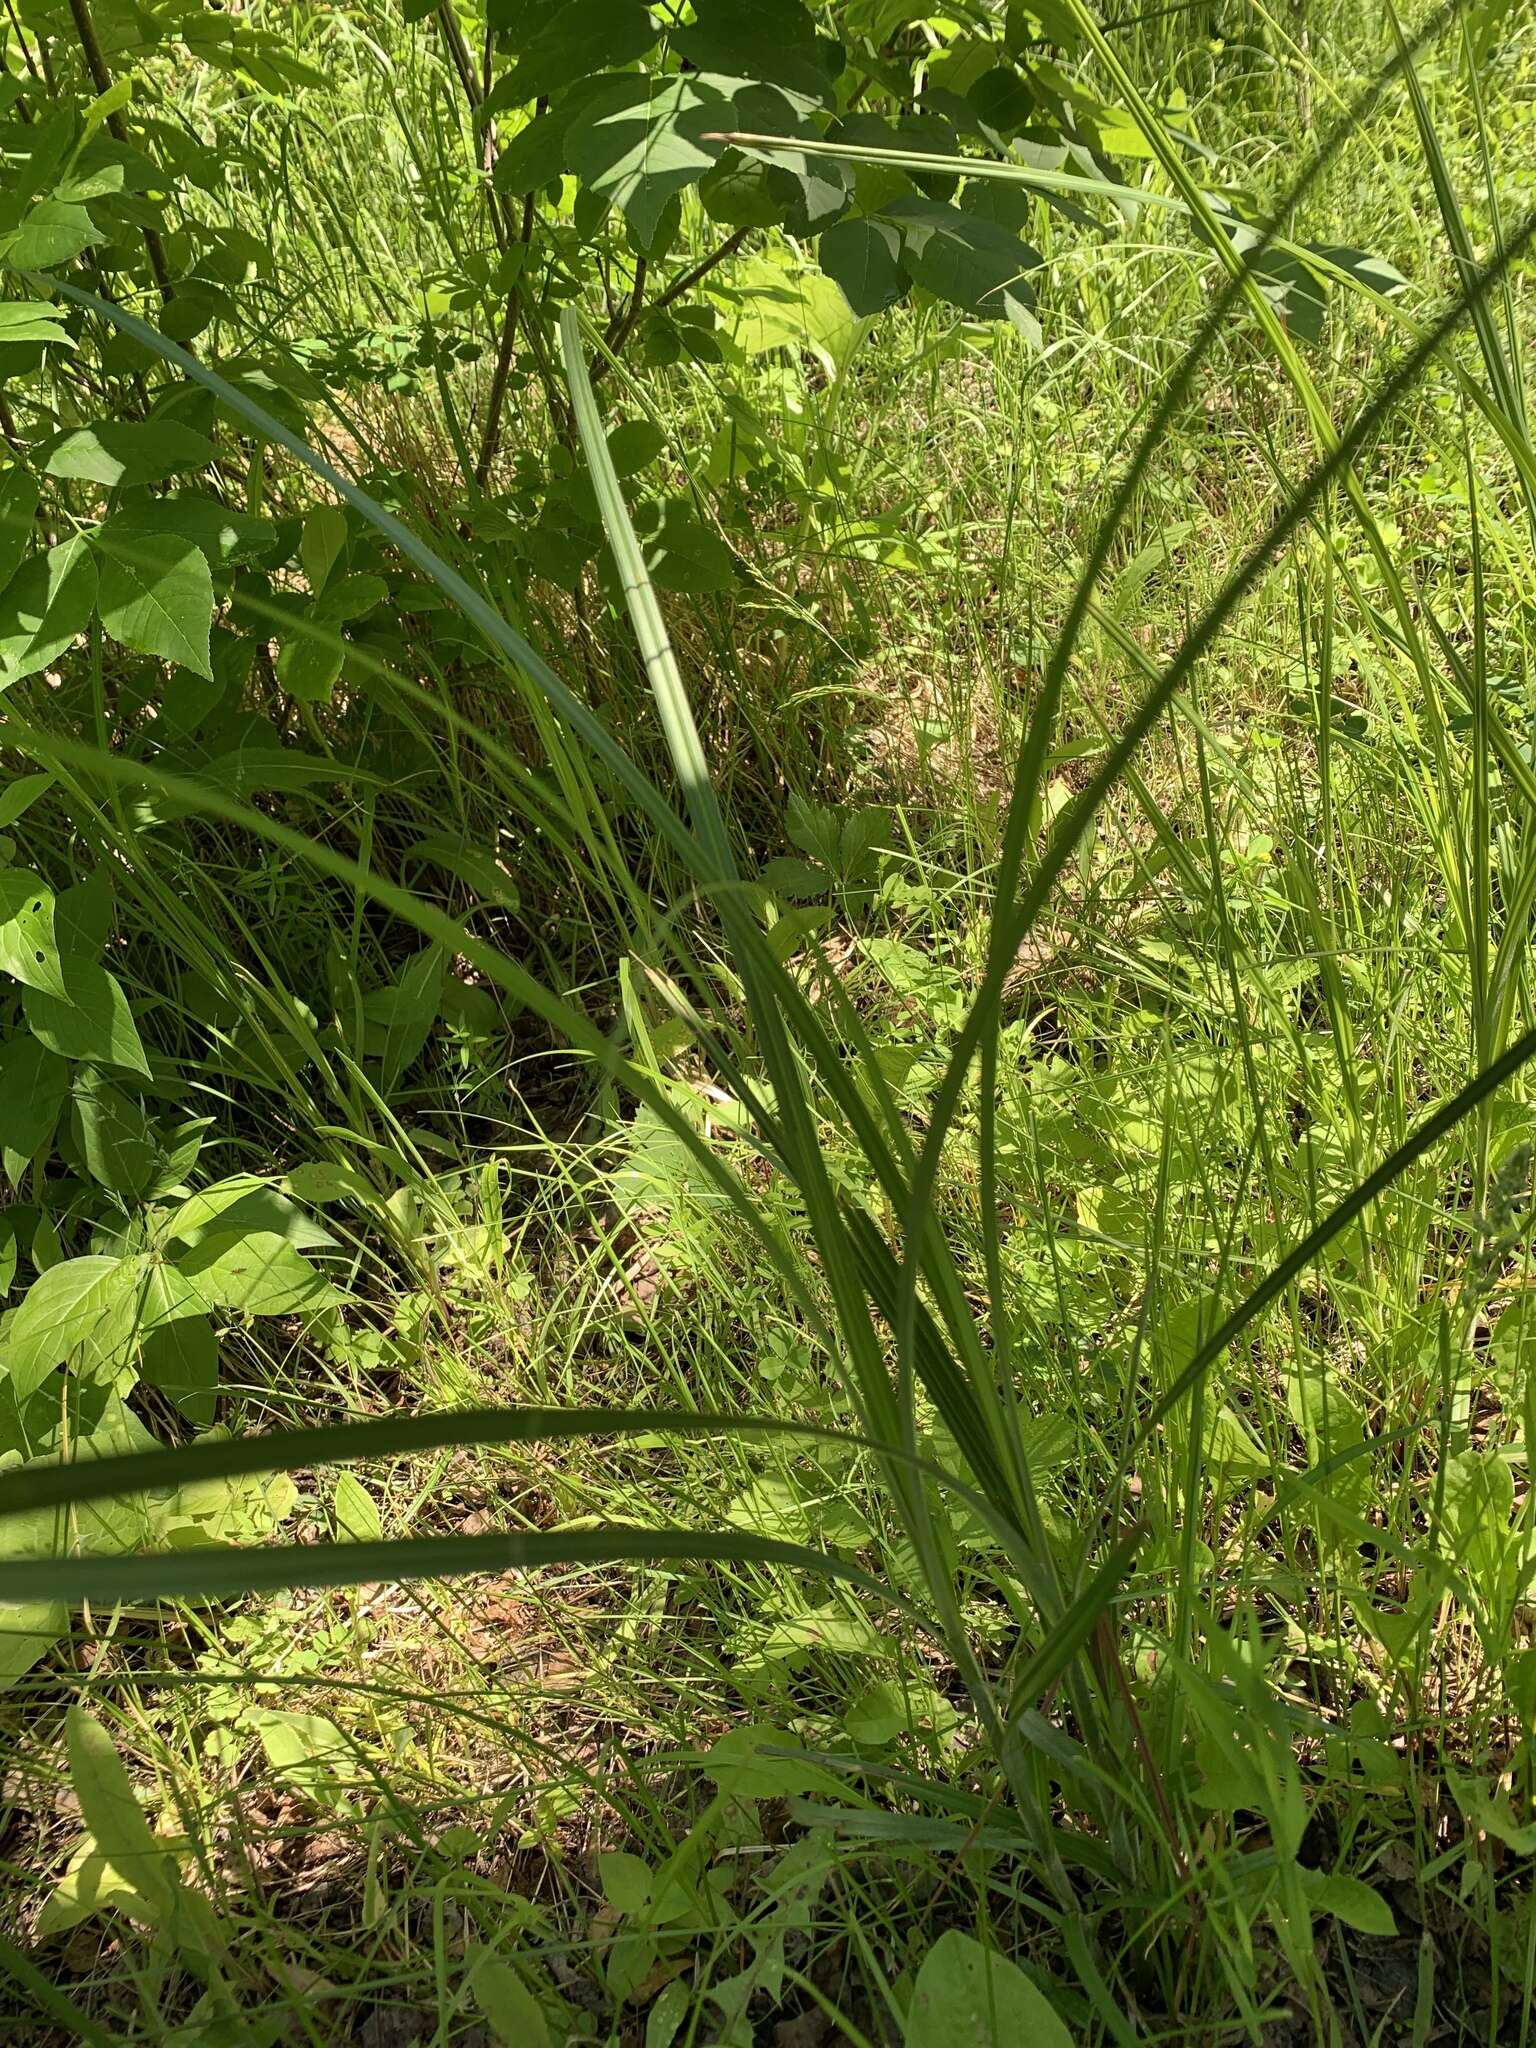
490 439
623 322
701 269
27 58
458 49
620 330
101 77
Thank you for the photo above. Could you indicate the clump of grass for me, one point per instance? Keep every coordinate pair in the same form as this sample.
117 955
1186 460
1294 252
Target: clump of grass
995 1399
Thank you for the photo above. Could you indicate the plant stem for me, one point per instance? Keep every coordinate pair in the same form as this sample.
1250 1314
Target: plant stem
26 55
701 269
490 439
621 329
622 324
101 77
458 50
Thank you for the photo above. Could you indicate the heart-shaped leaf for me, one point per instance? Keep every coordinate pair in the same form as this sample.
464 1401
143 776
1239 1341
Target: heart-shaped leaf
157 597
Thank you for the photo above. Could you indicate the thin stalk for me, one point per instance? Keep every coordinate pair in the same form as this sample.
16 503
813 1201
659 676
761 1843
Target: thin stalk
101 77
490 439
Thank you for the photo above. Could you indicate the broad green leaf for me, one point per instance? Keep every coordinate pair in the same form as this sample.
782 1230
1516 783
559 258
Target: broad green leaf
350 597
1349 1899
321 1182
509 2008
772 39
1296 292
63 1307
309 1748
681 552
634 445
398 1019
157 597
572 43
224 535
29 320
309 664
121 452
878 1715
534 157
321 541
115 1818
779 303
863 258
833 1629
664 2020
178 1353
742 1765
1042 21
356 1512
245 1202
800 188
1374 273
741 192
28 948
626 1881
1232 1448
33 1084
255 1272
92 1021
18 511
91 1885
967 1996
44 608
54 232
114 1135
1003 104
926 135
106 104
18 797
639 144
964 258
28 1633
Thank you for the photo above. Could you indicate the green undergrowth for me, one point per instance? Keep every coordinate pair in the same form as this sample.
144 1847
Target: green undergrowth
569 906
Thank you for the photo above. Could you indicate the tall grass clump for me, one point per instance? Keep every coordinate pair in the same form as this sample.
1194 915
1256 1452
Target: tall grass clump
1136 1170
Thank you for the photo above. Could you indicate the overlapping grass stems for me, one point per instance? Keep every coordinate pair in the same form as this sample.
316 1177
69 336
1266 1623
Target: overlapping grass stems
915 1287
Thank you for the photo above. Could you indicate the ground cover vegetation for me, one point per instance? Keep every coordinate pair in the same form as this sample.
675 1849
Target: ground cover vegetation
765 880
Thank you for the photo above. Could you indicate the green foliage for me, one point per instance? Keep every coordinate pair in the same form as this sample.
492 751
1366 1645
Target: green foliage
555 709
964 1995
